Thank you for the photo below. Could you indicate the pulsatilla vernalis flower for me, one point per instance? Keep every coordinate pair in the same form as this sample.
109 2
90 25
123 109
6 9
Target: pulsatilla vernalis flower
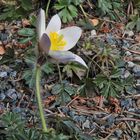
55 41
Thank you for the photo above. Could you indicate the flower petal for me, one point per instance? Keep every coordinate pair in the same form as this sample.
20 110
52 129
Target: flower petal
71 36
61 56
41 23
79 60
54 24
66 56
44 44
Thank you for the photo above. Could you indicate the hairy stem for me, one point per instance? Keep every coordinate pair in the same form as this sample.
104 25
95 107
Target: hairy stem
39 100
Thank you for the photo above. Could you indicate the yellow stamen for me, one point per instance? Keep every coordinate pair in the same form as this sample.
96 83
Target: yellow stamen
57 41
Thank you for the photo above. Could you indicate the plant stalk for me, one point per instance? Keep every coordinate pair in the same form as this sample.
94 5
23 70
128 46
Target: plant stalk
47 8
59 71
39 100
82 9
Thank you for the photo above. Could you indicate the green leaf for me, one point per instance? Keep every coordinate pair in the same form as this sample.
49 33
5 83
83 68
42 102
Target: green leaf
25 40
67 9
70 90
26 4
63 92
48 68
29 76
57 89
72 10
59 7
31 61
77 2
73 68
131 25
26 32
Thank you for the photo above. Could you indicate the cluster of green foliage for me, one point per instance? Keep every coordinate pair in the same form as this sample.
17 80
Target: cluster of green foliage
112 85
113 9
14 128
16 9
135 16
68 9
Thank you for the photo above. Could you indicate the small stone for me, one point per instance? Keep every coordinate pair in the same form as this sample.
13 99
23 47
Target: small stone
137 74
136 68
127 53
131 109
118 133
72 114
19 95
111 120
126 44
131 90
130 64
65 110
11 93
2 96
86 124
129 33
82 119
76 118
138 84
16 109
125 74
3 74
126 103
93 33
13 74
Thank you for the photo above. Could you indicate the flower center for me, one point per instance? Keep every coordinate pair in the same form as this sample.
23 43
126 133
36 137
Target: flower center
57 41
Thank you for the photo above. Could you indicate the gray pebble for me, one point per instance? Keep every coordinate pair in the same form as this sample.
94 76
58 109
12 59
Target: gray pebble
127 53
126 103
118 133
72 114
13 74
2 96
130 64
137 74
16 109
86 124
12 94
3 74
136 69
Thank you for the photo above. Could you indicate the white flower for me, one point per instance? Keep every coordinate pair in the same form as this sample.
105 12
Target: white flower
61 40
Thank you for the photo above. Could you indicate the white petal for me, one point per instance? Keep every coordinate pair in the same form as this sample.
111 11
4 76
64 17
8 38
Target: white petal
41 23
61 56
66 56
54 24
71 36
79 60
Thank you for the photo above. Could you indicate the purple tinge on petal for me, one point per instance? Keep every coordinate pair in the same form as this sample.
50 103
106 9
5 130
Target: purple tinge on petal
61 56
44 44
